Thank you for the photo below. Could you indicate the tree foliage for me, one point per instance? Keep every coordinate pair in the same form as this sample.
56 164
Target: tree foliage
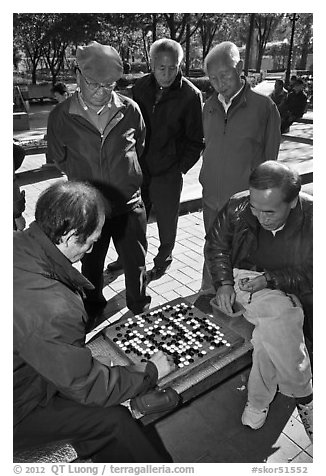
46 37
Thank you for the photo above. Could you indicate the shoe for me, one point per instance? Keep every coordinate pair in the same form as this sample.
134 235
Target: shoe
155 401
306 415
253 417
114 266
95 313
156 273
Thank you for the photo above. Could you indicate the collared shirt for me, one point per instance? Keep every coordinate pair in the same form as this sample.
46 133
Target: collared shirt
100 118
278 229
226 105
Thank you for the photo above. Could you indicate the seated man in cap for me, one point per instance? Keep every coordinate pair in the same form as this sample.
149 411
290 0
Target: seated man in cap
259 253
98 135
62 393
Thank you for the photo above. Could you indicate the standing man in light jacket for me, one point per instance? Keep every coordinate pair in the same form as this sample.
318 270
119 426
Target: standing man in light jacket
242 130
172 109
62 393
98 135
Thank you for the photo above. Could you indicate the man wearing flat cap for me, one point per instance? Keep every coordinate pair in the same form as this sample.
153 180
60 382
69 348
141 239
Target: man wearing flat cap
97 135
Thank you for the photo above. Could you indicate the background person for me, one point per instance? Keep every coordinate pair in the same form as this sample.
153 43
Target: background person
19 202
294 106
60 92
242 130
61 393
259 253
98 135
172 109
279 93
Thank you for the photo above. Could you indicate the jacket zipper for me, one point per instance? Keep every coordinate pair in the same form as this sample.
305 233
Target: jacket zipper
225 122
101 148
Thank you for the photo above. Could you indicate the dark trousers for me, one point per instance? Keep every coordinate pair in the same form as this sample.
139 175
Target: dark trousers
128 232
105 434
287 119
163 193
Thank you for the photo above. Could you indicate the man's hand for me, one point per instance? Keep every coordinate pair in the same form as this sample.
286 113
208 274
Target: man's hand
225 297
253 285
164 363
20 223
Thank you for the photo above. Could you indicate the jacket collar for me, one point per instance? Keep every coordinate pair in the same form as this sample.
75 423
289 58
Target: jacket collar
239 100
59 267
177 83
75 106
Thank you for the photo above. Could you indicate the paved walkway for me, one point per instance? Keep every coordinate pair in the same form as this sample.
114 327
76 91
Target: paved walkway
209 429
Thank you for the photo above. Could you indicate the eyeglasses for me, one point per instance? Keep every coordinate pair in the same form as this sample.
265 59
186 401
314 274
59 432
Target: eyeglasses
96 86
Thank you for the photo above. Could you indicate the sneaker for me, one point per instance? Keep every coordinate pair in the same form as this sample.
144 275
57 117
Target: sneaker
114 266
253 417
156 273
306 412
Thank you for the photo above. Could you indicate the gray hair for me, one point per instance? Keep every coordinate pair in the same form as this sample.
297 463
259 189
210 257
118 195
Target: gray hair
225 52
166 45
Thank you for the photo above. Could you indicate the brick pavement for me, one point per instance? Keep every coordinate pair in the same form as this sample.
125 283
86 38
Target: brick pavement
285 440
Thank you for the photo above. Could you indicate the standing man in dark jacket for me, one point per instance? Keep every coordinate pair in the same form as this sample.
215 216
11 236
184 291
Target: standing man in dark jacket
259 253
172 110
60 391
98 135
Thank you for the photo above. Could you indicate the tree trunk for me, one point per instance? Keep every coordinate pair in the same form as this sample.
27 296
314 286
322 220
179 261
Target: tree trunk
145 50
248 44
154 26
288 69
259 60
304 53
187 48
34 66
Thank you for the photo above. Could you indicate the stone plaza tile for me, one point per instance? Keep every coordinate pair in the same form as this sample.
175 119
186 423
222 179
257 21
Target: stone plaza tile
183 291
191 272
195 285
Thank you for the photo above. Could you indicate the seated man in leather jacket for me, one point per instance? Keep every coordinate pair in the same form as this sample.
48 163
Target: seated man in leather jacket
259 253
62 393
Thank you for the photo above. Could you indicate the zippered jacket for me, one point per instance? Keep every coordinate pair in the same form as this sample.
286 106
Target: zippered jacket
108 161
236 142
174 130
49 351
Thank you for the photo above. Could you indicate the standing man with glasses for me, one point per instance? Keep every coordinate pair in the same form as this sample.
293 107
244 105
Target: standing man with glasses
98 135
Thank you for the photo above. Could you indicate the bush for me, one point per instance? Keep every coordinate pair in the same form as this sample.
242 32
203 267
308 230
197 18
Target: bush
139 67
203 85
128 80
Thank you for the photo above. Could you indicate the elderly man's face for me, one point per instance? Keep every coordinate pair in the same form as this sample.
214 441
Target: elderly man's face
269 207
74 250
165 68
60 97
224 77
94 93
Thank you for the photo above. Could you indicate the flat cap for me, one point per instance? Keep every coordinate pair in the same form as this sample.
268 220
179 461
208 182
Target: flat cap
99 63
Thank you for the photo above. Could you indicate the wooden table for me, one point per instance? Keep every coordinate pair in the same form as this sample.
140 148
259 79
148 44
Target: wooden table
203 375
